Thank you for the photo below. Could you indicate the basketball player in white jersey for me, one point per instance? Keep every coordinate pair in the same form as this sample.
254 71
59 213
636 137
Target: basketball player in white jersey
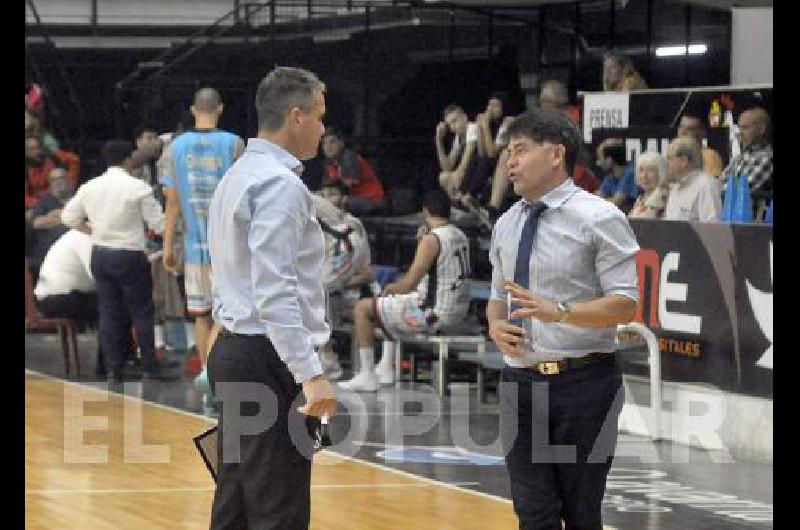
433 294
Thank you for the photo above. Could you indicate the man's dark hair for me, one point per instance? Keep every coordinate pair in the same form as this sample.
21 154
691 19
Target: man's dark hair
616 151
437 203
141 129
114 152
282 89
549 125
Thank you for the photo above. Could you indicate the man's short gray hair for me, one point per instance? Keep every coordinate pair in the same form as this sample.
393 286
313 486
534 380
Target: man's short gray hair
282 89
690 148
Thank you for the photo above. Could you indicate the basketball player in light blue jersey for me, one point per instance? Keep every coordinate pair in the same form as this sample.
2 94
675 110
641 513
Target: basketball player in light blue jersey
190 169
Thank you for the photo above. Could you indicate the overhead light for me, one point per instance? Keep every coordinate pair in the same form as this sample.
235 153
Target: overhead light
674 51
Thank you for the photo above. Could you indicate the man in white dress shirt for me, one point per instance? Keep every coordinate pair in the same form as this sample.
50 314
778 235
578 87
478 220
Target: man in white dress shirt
117 206
267 253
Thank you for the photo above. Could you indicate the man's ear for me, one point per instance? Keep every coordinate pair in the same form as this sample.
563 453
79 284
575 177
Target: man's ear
219 109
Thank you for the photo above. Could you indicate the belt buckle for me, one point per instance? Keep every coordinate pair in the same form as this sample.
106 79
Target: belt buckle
549 368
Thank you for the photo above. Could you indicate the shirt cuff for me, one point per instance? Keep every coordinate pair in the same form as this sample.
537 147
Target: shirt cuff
293 346
305 369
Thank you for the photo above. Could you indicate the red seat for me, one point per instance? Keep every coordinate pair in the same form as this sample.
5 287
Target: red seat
67 328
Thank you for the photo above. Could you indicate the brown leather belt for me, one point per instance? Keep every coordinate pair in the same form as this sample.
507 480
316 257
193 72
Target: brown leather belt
571 363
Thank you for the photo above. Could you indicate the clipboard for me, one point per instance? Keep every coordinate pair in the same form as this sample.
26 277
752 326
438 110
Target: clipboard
206 444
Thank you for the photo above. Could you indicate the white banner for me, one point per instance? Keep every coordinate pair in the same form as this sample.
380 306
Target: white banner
604 110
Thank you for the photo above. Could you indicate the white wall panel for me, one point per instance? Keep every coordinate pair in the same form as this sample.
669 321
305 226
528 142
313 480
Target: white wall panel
751 46
126 12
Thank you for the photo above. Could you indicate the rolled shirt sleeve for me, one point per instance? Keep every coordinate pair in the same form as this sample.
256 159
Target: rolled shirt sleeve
616 247
497 291
276 231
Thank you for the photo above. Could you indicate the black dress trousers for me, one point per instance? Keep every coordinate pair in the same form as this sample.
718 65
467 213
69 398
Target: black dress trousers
264 484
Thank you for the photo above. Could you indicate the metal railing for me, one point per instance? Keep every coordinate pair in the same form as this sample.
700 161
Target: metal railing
654 361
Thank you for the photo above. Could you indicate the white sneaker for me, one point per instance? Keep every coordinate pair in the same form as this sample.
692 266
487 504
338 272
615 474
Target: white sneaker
385 377
363 382
330 365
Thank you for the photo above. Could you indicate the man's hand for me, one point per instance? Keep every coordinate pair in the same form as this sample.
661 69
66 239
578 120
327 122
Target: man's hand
507 337
422 231
320 397
482 119
170 259
441 130
532 306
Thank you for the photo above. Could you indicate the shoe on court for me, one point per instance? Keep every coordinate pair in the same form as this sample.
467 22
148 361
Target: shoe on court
363 382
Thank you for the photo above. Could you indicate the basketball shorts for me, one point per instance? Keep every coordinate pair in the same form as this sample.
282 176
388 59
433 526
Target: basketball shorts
197 282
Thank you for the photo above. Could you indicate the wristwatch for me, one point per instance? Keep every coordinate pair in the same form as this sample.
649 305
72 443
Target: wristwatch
563 310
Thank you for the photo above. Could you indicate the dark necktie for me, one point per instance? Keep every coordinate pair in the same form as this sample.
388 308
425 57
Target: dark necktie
522 268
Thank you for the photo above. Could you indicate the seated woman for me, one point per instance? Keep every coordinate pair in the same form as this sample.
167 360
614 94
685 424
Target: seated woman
651 172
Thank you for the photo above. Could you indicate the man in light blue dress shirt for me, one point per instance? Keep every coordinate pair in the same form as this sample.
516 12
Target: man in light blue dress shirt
563 276
267 252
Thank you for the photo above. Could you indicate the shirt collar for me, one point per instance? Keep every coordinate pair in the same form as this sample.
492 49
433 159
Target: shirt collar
117 170
557 196
284 157
687 178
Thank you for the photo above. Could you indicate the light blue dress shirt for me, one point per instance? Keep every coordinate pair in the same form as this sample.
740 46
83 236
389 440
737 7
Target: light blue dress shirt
267 253
584 249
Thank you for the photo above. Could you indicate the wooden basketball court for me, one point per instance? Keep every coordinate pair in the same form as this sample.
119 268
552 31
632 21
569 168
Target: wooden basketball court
157 480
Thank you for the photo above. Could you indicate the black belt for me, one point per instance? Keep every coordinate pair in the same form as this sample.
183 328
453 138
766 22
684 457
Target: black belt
571 363
224 332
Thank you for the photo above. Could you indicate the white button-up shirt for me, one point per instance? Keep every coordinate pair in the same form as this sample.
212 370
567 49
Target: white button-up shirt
117 206
695 197
267 252
584 249
67 266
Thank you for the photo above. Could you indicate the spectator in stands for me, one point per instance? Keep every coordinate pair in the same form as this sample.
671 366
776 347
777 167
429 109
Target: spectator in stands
619 184
695 127
347 264
118 207
365 193
694 195
755 159
46 222
462 157
432 295
38 164
620 75
492 122
554 95
192 165
651 176
33 127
